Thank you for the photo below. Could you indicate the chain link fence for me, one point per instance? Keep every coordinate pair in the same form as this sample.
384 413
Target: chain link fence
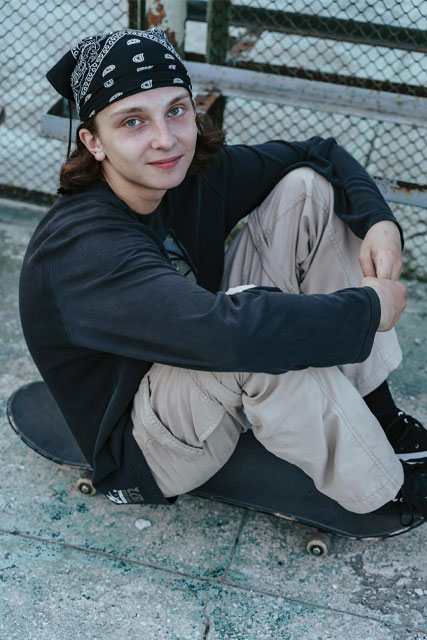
34 35
369 44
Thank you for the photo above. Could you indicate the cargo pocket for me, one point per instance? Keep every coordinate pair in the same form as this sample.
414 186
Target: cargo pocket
153 430
205 412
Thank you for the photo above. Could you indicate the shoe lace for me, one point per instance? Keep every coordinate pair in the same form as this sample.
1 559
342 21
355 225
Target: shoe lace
406 425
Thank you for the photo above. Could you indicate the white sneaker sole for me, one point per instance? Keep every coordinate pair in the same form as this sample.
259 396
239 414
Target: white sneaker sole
413 458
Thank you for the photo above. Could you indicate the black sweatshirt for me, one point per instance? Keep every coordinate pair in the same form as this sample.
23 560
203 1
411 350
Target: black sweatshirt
100 300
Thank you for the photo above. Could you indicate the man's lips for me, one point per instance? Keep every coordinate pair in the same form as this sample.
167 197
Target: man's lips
166 163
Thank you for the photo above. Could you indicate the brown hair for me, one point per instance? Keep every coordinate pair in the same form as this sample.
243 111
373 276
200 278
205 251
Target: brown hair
81 170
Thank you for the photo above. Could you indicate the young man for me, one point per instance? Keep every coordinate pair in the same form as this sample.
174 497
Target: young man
126 305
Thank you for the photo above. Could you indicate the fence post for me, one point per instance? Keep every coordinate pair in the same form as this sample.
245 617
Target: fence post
218 18
136 14
168 15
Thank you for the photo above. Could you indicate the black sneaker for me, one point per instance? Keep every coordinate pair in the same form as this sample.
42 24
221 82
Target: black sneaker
408 438
413 493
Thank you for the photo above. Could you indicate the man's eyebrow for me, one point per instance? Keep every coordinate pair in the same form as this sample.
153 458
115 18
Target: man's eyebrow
137 109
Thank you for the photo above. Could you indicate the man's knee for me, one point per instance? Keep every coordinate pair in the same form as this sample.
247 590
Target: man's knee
306 182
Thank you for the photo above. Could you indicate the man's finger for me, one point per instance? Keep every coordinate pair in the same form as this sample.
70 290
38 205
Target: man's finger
367 264
383 267
388 265
396 270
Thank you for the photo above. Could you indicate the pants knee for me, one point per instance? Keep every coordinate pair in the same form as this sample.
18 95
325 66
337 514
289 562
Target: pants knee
306 181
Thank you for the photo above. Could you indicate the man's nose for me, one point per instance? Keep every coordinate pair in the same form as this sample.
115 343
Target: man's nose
162 136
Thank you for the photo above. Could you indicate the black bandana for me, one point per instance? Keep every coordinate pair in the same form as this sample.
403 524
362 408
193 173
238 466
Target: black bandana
102 69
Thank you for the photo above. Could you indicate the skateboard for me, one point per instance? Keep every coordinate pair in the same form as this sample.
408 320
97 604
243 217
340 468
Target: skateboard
253 477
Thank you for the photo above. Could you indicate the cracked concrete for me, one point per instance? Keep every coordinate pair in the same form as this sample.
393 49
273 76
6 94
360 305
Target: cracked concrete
75 566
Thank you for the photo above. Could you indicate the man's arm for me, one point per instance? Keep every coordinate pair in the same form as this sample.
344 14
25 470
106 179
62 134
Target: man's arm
245 174
117 294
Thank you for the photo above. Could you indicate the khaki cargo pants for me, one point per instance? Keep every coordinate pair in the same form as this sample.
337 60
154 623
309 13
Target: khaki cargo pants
188 422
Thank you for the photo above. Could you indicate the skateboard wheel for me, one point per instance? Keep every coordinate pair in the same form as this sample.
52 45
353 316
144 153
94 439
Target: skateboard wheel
318 545
84 485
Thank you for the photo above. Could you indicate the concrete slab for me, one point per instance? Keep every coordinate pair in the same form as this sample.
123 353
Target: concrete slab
54 591
246 615
383 579
39 499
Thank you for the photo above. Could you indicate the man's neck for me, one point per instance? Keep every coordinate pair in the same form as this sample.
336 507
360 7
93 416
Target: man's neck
140 200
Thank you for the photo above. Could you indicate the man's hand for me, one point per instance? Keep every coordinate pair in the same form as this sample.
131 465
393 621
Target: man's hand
392 297
380 253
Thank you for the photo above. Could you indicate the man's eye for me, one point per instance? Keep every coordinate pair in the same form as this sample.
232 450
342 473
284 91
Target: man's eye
131 123
176 111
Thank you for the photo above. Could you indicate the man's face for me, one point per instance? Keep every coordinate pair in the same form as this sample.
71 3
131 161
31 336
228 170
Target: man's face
146 142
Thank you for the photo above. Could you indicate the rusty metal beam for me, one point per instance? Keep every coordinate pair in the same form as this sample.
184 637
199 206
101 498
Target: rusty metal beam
403 192
325 76
204 101
323 96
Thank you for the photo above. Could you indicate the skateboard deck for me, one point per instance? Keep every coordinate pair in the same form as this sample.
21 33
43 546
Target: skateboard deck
252 478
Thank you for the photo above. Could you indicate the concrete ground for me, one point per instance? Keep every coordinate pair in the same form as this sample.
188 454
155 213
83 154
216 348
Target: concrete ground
76 567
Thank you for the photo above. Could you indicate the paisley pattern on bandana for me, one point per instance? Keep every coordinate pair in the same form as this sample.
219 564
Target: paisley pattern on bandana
108 69
115 96
89 60
114 54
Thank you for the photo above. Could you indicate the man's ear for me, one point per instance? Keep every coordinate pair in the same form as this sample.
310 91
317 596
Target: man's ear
92 144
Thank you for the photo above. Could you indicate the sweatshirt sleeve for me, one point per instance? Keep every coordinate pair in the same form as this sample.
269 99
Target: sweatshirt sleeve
248 174
117 293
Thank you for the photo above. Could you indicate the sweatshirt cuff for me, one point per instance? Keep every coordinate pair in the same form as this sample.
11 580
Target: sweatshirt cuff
374 302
